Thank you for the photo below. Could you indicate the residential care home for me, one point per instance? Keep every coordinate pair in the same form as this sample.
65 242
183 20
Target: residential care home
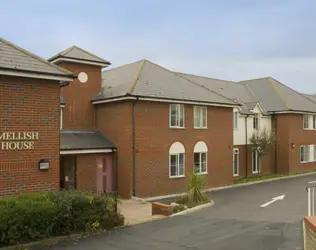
140 129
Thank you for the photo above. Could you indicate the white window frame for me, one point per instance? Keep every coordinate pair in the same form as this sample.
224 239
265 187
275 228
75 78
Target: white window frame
314 153
308 153
235 119
198 115
178 115
177 149
256 117
61 118
304 122
236 152
257 162
200 163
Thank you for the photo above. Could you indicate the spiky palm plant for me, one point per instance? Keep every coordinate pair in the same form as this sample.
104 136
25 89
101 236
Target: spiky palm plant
195 194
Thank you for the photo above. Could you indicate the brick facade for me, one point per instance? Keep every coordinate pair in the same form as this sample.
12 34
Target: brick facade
153 140
29 105
78 113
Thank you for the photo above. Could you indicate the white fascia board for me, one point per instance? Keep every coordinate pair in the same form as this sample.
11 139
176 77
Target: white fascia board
293 112
187 102
88 151
63 59
35 75
114 99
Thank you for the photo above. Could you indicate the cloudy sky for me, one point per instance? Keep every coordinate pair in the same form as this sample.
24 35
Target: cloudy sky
226 39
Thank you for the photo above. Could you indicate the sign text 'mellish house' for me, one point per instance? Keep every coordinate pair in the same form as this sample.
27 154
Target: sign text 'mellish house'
18 140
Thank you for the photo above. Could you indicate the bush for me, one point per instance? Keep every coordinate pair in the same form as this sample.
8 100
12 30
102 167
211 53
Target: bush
31 217
178 208
195 194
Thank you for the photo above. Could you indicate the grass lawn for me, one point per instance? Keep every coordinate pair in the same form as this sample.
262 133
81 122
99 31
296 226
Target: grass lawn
264 177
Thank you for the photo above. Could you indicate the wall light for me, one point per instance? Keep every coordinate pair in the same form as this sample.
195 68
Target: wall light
43 164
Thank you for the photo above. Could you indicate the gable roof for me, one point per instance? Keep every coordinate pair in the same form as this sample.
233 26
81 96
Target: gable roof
79 54
277 97
14 59
147 79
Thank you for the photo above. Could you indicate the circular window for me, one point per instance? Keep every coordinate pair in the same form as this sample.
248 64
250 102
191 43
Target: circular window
83 77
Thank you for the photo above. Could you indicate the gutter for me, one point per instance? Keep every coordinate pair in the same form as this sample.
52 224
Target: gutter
134 146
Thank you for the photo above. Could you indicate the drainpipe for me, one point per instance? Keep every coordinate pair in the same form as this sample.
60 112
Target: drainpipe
134 146
246 129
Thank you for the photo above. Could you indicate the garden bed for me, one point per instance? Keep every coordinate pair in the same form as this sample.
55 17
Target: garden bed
33 217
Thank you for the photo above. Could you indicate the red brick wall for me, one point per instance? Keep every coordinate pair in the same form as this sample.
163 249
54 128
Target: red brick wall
154 138
298 136
115 121
29 105
78 112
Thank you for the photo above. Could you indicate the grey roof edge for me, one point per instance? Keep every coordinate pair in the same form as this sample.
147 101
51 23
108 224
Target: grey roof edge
63 71
62 54
231 102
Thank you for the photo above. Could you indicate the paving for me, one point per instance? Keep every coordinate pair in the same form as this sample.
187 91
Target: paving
236 221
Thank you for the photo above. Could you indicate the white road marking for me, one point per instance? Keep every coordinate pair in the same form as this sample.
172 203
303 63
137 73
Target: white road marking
281 197
312 182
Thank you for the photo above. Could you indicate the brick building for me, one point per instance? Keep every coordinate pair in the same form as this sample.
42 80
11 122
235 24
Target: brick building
29 120
140 129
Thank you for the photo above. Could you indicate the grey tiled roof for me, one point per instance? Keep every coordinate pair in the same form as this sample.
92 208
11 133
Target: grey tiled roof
75 52
77 140
15 58
147 79
275 96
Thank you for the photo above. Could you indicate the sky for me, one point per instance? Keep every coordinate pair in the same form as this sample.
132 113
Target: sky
225 39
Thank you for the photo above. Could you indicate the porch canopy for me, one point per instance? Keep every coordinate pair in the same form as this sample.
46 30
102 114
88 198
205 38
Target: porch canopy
84 142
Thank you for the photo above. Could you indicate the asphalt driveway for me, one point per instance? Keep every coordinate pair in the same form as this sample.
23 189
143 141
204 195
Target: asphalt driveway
236 221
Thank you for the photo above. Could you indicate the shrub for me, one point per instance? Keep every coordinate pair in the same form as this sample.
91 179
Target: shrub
31 217
195 194
179 208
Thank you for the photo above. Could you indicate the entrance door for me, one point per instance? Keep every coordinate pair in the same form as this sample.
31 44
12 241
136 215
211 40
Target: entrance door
105 174
68 172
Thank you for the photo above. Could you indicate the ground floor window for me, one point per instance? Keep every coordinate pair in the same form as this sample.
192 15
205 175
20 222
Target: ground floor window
236 162
177 165
304 153
200 163
255 162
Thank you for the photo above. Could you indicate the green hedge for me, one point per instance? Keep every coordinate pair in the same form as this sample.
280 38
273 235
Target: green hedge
32 217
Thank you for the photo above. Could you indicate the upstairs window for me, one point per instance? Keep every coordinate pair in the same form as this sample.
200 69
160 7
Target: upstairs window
200 117
306 121
176 115
200 158
235 117
304 153
256 121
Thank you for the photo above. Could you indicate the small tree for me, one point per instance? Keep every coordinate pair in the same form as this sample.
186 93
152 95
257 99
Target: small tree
262 141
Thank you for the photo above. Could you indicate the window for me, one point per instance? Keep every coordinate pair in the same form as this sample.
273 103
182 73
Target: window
200 158
176 115
255 163
236 162
305 121
256 121
314 147
61 118
200 117
235 119
314 121
304 153
176 158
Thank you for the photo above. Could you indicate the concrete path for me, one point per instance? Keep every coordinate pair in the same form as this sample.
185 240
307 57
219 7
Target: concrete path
136 211
236 221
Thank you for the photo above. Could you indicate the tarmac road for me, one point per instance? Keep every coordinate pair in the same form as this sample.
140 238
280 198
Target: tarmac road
236 221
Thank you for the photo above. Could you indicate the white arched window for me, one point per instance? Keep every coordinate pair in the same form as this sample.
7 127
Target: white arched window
176 160
200 158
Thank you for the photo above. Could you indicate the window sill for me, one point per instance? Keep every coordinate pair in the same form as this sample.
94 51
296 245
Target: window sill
177 127
200 128
202 173
235 175
309 129
176 177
